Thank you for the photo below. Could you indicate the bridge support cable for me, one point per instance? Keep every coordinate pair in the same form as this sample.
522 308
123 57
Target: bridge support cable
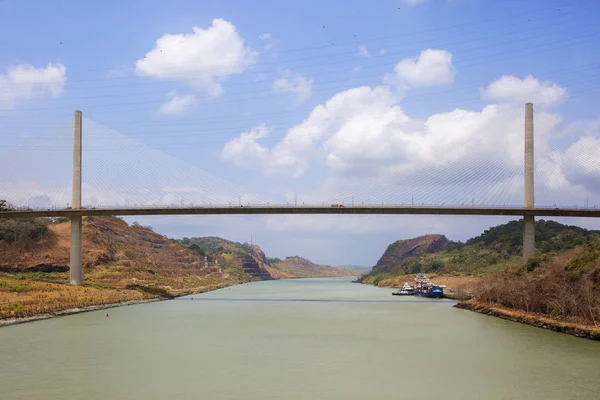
485 180
134 174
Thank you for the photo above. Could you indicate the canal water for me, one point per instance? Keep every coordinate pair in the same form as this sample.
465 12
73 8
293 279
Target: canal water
293 339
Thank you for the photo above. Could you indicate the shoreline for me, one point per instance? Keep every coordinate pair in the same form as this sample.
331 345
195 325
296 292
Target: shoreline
520 316
97 307
531 319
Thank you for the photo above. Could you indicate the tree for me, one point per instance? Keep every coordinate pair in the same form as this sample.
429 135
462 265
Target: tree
416 268
434 265
5 206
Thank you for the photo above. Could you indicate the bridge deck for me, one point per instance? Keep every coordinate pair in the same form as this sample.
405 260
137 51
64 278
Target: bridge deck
373 210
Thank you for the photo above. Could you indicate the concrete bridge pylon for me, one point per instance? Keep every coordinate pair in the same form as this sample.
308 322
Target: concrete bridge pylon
528 201
75 267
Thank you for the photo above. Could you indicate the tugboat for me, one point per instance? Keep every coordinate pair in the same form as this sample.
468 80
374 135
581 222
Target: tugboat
405 290
424 287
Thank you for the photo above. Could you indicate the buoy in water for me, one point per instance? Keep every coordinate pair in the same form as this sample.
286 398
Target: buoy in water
106 315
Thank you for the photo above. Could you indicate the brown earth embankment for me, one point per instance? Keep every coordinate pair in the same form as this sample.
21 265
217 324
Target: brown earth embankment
533 319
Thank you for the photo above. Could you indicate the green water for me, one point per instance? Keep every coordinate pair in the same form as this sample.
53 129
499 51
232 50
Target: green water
301 339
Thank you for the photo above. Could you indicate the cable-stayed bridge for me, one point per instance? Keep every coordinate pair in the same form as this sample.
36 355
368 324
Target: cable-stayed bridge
113 174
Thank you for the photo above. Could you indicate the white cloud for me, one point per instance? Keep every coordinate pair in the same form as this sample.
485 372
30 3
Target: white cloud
25 82
451 157
529 89
203 58
177 104
245 151
270 43
363 52
296 84
579 164
431 67
383 52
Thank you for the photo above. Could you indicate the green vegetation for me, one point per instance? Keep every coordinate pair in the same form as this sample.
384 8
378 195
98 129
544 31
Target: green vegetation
209 246
565 286
493 250
212 246
550 236
23 231
241 261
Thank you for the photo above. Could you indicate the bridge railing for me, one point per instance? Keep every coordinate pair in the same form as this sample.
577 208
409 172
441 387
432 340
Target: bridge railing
305 205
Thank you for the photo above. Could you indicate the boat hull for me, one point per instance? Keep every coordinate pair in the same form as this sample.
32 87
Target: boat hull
435 295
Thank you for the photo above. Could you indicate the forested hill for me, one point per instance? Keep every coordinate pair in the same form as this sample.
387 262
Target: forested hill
549 236
494 248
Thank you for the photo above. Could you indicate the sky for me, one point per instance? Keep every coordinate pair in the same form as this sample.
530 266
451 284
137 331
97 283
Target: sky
314 102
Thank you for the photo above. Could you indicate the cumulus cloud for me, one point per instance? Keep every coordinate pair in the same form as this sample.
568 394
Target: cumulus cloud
432 67
264 36
294 83
579 164
25 82
178 104
363 52
529 89
245 151
364 135
203 58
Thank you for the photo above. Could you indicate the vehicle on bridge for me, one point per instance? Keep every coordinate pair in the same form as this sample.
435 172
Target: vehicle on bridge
337 205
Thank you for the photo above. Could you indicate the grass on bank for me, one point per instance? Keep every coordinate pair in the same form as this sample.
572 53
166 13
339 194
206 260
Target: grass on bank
29 294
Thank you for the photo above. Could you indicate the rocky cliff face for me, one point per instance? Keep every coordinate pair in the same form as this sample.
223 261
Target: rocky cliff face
403 251
255 263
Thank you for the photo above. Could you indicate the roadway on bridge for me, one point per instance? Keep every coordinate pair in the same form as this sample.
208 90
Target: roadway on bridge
302 210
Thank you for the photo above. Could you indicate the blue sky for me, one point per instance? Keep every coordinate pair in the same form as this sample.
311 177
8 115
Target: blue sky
304 98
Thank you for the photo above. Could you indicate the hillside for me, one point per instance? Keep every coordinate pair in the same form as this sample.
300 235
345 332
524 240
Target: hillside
121 262
402 252
494 249
252 260
298 267
563 287
244 261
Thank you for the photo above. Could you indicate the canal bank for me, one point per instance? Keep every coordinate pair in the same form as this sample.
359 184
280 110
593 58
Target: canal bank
61 312
533 319
459 289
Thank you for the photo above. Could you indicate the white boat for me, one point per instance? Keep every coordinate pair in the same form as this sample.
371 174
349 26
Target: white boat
405 290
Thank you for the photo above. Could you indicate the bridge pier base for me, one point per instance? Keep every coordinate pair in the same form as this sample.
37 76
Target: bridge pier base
528 236
75 267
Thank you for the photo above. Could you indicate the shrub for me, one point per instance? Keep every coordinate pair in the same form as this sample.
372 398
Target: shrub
434 265
23 230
